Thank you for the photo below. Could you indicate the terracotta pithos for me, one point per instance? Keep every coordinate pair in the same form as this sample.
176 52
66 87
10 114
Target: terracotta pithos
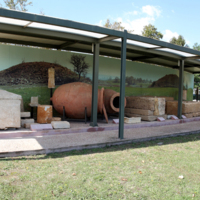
75 97
111 101
43 113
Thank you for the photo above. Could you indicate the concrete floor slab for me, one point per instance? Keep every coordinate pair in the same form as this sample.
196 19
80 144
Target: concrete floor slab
81 138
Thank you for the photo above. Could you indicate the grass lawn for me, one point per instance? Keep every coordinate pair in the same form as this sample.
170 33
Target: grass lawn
136 171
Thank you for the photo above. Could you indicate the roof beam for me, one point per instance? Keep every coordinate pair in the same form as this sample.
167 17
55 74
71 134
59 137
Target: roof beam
37 44
162 44
58 22
107 38
41 33
144 58
66 44
27 24
192 58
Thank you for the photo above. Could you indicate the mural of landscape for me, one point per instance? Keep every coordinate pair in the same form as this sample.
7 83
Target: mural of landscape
24 71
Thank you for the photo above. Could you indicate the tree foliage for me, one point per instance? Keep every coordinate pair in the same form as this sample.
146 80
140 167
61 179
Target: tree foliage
79 64
17 4
196 46
115 25
178 41
151 32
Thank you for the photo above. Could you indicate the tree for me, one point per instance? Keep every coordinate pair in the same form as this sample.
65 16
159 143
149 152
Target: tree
196 46
178 41
151 32
116 26
80 66
17 4
130 80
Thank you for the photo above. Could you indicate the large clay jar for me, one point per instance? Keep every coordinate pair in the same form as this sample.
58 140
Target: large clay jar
75 97
111 101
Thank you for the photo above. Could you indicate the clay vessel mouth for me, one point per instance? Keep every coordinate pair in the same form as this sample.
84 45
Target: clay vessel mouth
114 102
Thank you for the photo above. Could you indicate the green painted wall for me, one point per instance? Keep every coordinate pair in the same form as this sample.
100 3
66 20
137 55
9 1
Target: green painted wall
109 68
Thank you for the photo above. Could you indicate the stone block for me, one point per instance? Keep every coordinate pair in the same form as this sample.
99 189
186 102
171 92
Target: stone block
132 120
25 121
49 120
34 102
60 124
138 111
10 110
190 115
39 127
172 108
157 105
145 103
25 114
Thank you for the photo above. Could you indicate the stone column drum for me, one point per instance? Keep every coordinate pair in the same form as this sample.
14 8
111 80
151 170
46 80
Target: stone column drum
43 113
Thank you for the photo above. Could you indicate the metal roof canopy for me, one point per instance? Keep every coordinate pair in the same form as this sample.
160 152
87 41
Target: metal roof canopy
42 31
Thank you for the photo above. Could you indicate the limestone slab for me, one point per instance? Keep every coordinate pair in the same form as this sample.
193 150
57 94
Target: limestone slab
138 111
49 120
146 118
132 120
37 127
10 113
60 124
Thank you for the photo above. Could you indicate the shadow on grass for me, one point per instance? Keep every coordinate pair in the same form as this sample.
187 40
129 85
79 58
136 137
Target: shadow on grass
134 145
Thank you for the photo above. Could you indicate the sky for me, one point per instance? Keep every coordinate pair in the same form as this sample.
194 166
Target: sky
170 17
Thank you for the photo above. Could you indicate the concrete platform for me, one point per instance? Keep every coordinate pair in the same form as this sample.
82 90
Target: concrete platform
81 136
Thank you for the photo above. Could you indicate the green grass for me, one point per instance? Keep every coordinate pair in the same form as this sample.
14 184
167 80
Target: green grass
136 171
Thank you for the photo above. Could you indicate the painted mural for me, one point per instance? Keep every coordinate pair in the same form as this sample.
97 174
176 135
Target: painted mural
24 70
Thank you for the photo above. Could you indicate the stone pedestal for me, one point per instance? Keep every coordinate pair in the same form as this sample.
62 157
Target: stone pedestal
10 107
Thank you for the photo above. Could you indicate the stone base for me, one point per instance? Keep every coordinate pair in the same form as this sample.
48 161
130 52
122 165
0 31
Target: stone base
146 118
132 120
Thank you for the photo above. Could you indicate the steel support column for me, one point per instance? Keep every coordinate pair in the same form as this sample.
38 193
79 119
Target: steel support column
95 85
122 86
180 89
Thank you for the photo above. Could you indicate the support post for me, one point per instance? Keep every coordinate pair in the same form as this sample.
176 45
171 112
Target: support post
95 85
180 89
122 86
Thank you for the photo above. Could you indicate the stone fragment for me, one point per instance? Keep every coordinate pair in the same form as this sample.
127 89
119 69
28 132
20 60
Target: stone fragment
184 117
25 121
28 125
60 124
51 77
116 121
160 119
138 111
132 120
146 118
39 127
174 117
34 101
25 114
49 120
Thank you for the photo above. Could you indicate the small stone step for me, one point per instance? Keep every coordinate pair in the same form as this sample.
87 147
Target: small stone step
28 125
25 114
24 121
39 127
60 125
